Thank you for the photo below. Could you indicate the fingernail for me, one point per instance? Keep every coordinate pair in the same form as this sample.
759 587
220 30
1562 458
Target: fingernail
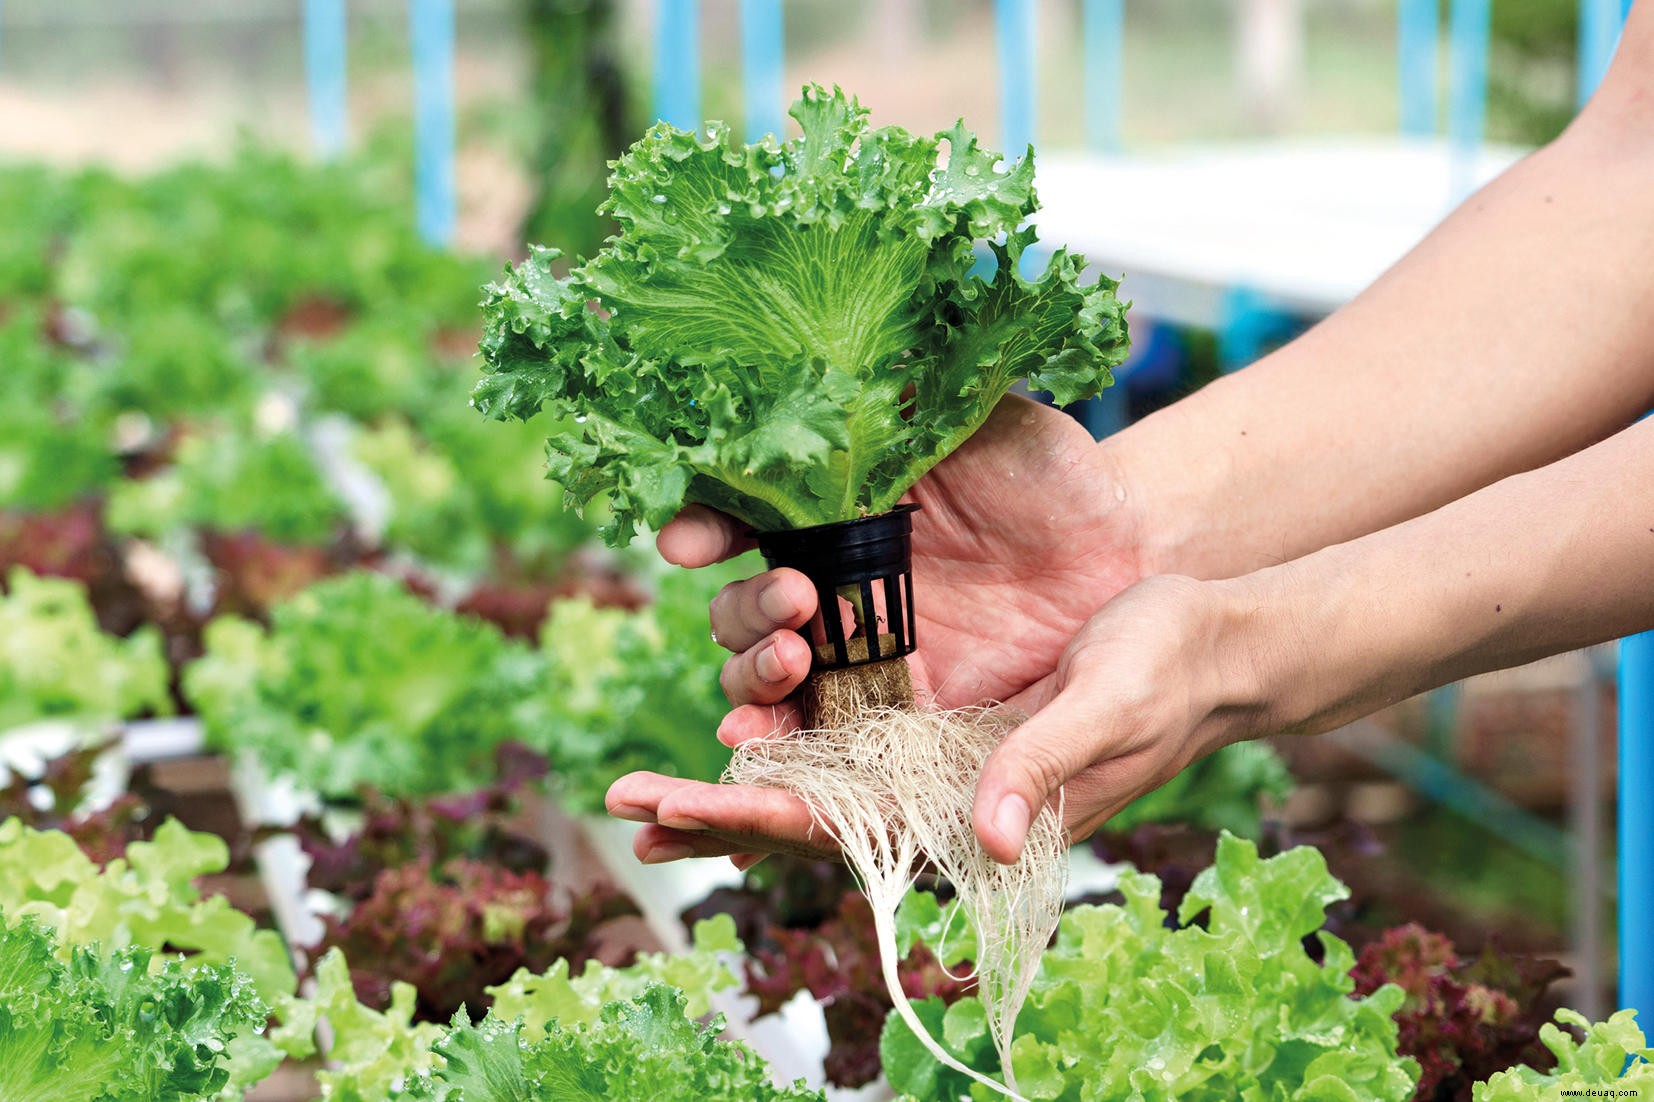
768 665
632 812
1011 819
667 851
681 822
745 861
774 603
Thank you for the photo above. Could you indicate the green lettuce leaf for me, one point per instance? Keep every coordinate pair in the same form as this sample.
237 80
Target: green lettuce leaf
377 1055
636 690
790 332
1222 791
56 663
359 682
85 1024
146 899
1229 1007
233 478
648 1047
1598 1063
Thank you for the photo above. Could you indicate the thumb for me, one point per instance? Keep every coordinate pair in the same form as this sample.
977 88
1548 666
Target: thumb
1027 770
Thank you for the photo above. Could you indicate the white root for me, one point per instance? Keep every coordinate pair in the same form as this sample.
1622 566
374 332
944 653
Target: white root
894 787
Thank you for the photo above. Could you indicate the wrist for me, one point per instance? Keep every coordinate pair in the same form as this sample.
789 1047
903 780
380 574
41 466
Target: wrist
1323 644
1178 505
1254 659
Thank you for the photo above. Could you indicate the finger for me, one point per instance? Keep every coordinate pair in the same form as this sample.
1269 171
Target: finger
699 536
762 819
744 612
767 673
745 861
751 721
1027 769
655 845
636 796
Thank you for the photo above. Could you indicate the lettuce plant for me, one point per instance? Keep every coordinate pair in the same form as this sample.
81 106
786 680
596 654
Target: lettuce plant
378 1055
1611 1059
1463 1020
453 930
89 1024
56 663
358 682
644 1048
147 897
1125 1006
790 332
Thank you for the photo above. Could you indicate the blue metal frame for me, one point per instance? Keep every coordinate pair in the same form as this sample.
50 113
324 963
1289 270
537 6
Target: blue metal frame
431 35
1599 34
1469 31
763 49
678 63
1636 825
324 75
1418 64
1103 42
1014 20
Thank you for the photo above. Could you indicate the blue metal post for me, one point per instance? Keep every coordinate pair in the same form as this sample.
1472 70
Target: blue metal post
1599 34
1015 24
1636 825
678 63
1469 30
431 31
324 74
1103 37
1417 65
762 52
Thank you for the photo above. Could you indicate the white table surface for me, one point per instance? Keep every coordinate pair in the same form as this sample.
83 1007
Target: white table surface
1304 223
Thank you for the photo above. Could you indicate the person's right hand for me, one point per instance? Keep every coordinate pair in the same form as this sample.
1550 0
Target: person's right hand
1024 533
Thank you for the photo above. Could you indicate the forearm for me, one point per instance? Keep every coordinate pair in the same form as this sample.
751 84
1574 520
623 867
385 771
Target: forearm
1539 563
1519 331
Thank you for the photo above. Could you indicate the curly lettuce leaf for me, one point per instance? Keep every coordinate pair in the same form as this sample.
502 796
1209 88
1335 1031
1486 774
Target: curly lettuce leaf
233 479
1613 1056
648 1047
1222 791
55 662
790 332
375 1055
555 996
636 690
360 682
85 1024
1232 1008
147 898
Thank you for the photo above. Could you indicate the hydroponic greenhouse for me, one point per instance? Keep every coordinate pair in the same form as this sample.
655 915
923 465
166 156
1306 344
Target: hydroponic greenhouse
734 550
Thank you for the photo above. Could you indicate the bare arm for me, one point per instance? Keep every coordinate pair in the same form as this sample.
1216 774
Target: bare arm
1518 332
1539 563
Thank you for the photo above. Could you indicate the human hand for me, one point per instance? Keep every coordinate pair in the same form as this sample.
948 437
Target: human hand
1025 532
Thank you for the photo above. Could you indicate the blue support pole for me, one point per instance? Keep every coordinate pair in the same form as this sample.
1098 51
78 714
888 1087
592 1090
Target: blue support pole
1636 825
1469 31
678 63
324 75
1599 34
1249 322
1103 35
431 32
762 51
1417 64
1014 20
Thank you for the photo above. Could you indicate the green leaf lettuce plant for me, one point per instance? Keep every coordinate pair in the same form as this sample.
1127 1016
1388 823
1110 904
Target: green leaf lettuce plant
1227 1004
790 332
